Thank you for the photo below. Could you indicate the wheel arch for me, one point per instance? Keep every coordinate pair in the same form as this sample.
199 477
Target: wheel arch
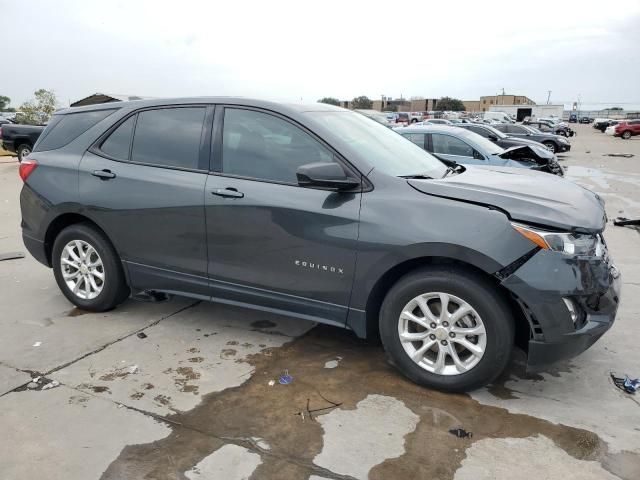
61 222
386 281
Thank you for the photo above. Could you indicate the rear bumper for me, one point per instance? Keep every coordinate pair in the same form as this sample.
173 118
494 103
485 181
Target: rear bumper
36 248
593 285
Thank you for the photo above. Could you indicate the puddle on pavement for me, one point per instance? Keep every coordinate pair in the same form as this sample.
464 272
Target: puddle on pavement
273 413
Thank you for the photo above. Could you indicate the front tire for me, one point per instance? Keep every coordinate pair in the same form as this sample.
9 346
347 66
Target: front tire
626 135
23 150
551 146
87 268
459 348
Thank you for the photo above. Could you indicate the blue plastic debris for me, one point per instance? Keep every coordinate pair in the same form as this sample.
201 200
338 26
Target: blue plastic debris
285 378
626 384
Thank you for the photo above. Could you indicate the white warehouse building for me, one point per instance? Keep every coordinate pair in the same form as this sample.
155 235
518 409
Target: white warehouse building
533 111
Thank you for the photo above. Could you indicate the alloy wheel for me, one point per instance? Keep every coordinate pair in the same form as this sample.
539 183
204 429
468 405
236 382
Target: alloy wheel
442 333
82 269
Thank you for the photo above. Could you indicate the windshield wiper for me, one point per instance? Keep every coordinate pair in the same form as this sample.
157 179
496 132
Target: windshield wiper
420 176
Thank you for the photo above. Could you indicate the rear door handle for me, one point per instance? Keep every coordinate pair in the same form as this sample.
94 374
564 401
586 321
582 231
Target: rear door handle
228 192
104 174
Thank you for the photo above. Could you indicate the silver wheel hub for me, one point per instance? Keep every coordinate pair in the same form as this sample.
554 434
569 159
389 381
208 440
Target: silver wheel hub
82 269
442 333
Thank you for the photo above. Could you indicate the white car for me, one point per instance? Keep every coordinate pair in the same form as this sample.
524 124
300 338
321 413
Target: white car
611 130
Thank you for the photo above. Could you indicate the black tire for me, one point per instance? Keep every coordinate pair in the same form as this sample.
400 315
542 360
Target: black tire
114 289
626 135
23 150
414 120
478 292
551 146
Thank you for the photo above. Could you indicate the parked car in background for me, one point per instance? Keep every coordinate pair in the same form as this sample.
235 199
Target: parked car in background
497 136
549 127
379 117
573 118
459 145
626 129
602 123
19 139
449 286
498 116
586 119
402 117
437 121
555 143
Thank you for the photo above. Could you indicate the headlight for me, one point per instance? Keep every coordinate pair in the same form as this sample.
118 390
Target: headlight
563 140
568 243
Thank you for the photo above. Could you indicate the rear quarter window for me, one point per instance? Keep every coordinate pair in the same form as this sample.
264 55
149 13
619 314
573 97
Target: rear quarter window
63 129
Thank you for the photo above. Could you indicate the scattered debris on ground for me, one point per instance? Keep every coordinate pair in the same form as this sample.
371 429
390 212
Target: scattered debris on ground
333 363
142 335
39 382
626 222
285 378
626 384
460 433
37 344
623 155
11 256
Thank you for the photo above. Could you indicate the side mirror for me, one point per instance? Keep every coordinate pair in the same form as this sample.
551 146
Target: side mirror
325 175
493 137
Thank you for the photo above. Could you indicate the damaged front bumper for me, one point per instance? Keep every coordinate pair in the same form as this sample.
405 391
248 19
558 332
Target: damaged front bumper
570 303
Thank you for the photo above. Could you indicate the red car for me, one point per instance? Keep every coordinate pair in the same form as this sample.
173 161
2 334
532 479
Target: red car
626 129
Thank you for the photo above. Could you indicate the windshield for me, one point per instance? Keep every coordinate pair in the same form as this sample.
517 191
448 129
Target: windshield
383 148
529 129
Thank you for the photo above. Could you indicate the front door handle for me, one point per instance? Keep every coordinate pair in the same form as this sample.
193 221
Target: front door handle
229 192
104 174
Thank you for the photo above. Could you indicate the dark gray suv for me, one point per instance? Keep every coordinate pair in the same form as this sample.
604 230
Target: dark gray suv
321 214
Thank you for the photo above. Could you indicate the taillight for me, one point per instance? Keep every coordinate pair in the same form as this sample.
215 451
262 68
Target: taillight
26 168
0 133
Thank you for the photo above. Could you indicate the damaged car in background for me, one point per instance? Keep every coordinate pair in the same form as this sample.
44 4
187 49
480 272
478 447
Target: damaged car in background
451 266
462 146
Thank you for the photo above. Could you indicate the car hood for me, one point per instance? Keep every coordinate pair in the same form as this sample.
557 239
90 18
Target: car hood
535 152
525 195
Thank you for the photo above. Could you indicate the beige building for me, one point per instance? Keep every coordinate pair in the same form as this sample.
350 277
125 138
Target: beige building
488 101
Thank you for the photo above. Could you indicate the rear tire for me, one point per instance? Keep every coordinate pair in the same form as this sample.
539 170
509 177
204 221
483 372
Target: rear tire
626 135
23 150
488 314
551 146
87 268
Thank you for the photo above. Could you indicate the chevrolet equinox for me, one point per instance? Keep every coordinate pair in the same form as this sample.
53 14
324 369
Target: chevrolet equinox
322 214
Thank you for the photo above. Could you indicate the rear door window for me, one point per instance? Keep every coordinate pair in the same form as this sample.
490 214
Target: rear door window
118 144
448 145
417 138
63 129
169 137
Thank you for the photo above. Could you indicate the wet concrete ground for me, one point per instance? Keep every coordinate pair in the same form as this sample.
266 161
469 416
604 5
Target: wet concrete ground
193 399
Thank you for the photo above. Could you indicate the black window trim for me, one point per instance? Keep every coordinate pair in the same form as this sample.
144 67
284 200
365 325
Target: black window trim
205 137
216 151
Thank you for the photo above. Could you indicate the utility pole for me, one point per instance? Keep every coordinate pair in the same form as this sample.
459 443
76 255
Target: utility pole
548 96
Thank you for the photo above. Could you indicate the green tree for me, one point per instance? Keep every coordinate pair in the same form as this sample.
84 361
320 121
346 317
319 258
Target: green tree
330 101
362 102
450 104
38 111
616 108
4 102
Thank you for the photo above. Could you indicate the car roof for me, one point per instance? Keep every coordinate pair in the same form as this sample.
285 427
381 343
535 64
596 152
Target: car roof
431 128
240 101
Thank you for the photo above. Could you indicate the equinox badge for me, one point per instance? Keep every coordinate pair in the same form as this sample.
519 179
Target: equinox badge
317 266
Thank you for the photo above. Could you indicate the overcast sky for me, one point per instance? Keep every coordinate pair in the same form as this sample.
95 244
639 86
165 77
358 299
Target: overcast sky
309 49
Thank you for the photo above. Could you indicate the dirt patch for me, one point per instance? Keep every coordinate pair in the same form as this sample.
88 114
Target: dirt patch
263 324
76 312
232 342
193 350
136 396
228 353
94 388
196 359
274 413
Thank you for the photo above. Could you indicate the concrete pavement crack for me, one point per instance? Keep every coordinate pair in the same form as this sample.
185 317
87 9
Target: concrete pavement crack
102 347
